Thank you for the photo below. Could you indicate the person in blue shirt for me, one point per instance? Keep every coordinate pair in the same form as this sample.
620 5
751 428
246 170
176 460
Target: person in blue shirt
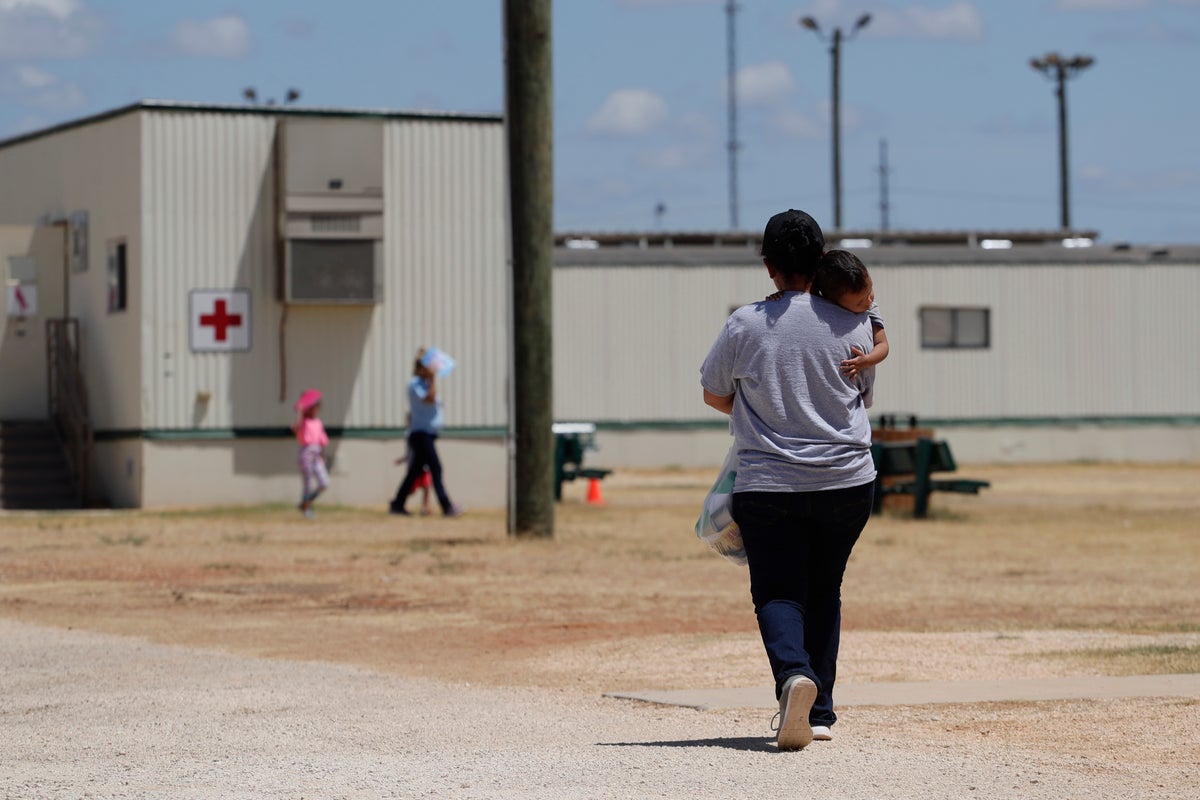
425 423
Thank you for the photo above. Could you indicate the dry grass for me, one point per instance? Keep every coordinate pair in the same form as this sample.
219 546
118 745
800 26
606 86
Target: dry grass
1108 552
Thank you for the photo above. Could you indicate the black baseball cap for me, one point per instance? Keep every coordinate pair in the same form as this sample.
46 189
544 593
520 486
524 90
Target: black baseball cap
793 242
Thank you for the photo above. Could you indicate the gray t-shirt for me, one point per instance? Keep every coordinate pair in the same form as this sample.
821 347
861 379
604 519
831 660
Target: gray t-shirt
798 424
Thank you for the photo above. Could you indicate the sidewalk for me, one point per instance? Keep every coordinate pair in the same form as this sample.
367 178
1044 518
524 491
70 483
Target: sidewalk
924 693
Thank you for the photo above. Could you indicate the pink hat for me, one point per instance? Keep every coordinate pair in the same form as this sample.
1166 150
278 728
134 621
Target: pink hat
307 400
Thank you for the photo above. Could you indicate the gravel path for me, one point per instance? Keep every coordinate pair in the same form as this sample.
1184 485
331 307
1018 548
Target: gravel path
93 716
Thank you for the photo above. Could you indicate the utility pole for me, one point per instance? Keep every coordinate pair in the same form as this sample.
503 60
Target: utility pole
1059 69
884 205
835 52
731 10
529 102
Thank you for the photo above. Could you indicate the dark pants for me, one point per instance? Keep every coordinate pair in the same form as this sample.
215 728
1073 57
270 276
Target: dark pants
797 546
422 454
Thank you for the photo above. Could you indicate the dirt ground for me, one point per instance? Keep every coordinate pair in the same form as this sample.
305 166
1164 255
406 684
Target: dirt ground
1056 570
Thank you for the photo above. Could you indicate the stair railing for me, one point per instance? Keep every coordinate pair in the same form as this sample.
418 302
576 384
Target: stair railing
68 400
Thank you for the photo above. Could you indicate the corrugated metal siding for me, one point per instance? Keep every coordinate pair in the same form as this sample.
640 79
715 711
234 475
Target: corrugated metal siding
210 223
93 169
446 242
628 341
1066 341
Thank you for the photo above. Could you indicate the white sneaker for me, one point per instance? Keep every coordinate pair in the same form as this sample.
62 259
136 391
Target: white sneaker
795 702
821 733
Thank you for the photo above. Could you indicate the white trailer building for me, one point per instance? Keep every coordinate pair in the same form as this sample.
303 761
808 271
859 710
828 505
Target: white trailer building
1032 351
203 265
220 260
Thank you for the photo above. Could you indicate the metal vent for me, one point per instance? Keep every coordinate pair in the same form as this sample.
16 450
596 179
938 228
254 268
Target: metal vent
332 271
339 223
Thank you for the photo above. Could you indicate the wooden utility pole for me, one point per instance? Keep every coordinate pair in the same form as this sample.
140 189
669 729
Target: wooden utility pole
529 101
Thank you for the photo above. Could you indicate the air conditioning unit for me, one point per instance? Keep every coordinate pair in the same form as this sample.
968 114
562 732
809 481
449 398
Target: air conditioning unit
331 210
333 271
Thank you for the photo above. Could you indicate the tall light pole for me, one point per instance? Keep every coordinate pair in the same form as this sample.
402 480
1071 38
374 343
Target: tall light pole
1059 69
835 51
731 10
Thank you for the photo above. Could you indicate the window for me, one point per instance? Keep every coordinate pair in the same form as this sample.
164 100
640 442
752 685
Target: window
955 327
117 275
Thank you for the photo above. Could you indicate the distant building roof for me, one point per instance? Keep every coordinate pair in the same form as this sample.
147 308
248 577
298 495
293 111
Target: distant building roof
244 108
875 248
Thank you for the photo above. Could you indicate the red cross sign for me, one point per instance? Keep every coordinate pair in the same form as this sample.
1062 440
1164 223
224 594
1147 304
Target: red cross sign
220 320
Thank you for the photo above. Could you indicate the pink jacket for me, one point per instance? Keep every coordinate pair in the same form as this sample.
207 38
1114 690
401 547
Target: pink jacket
311 431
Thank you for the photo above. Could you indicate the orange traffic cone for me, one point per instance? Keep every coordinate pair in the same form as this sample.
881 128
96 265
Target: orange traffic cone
593 495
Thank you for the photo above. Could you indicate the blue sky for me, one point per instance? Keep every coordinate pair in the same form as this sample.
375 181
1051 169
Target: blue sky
641 112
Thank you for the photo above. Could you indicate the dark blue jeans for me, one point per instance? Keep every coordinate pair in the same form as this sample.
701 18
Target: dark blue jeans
422 454
797 546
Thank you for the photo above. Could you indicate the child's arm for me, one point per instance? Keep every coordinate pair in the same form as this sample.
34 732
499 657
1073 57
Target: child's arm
861 360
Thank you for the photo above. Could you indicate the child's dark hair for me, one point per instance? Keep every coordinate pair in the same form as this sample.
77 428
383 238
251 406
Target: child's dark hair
839 272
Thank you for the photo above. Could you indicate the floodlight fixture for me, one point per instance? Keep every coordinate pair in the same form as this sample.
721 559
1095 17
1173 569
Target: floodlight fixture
835 52
1059 69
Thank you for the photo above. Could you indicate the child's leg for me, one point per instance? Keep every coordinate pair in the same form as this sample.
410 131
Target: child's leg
306 479
320 475
314 474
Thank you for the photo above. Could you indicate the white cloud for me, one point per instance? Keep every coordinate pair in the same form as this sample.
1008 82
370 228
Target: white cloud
959 21
45 29
37 88
797 125
764 84
59 9
629 112
34 78
220 37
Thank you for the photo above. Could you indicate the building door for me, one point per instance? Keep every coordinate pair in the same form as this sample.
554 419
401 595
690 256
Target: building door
32 266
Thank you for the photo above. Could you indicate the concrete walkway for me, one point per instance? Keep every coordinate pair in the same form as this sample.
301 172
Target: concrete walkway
923 693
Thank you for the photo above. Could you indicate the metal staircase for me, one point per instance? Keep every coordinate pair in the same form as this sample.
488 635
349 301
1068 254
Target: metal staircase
45 464
34 471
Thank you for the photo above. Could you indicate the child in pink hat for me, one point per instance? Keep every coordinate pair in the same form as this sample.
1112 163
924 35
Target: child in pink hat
310 434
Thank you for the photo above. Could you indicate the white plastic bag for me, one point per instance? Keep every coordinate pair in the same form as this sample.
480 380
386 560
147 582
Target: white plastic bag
438 360
716 527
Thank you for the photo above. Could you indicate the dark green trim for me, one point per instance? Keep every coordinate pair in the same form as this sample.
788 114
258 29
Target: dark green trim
273 111
224 434
718 423
1057 422
939 422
